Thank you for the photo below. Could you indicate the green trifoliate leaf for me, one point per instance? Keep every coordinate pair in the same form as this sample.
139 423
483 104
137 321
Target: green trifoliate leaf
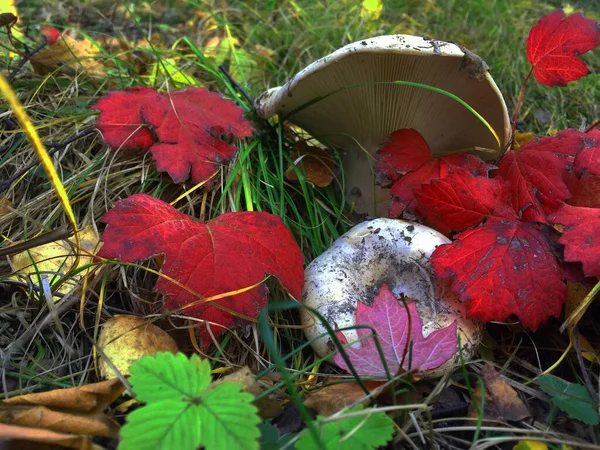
169 377
228 419
364 432
182 414
169 424
572 398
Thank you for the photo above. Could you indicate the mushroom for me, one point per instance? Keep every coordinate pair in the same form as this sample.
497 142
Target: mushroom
354 268
348 100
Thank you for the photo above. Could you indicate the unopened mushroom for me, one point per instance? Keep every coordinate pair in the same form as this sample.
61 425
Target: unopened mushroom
346 100
380 251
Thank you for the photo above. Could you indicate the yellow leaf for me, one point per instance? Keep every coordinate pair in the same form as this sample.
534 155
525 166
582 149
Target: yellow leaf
530 445
124 339
68 54
8 6
522 138
51 261
372 8
169 69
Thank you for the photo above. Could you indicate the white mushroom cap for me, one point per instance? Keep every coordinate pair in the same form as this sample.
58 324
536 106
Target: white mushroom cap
382 250
359 119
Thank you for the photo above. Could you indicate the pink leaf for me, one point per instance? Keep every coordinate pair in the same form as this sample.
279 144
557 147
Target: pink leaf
389 318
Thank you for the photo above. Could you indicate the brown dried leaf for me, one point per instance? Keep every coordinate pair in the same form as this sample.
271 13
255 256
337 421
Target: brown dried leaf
76 410
70 55
316 163
3 209
334 397
501 401
95 397
576 293
23 438
268 407
124 339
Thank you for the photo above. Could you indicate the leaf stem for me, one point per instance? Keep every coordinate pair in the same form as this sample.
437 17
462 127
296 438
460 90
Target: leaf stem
520 101
592 126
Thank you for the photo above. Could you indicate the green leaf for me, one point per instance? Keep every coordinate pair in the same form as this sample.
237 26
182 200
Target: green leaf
169 377
572 398
363 432
183 412
228 419
169 424
270 438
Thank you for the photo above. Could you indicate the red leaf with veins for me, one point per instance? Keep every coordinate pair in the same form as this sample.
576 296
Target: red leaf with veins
585 191
581 237
461 200
504 268
405 150
537 172
51 34
389 318
588 159
231 252
555 42
402 191
186 131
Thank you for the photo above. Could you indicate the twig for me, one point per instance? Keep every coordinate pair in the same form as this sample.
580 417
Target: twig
4 185
10 125
236 85
586 376
25 58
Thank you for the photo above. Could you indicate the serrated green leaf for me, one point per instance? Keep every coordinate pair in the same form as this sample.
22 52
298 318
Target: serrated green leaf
572 398
166 376
351 433
228 419
169 424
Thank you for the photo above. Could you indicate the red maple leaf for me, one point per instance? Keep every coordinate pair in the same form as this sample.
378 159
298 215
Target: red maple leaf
503 268
186 131
555 42
461 200
581 237
51 34
228 253
537 172
588 159
585 191
389 318
402 190
404 151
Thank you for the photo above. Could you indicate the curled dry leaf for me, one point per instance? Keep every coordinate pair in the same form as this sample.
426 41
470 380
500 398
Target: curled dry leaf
332 398
78 410
124 339
15 437
51 261
268 407
316 163
69 55
501 401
